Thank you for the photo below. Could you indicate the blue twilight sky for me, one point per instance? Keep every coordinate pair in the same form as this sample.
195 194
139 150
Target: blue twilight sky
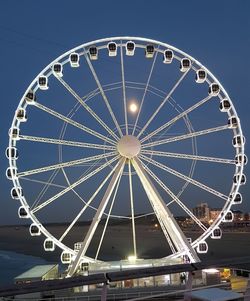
33 33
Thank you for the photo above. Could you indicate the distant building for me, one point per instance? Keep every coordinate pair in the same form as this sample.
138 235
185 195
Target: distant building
214 213
202 212
38 273
238 215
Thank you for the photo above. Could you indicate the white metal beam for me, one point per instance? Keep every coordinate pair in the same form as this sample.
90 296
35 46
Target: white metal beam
177 236
86 242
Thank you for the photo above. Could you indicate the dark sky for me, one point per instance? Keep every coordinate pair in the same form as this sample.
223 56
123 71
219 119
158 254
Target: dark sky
33 33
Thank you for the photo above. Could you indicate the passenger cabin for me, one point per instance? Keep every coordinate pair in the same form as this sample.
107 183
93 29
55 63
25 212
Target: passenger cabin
11 173
66 257
49 245
22 213
11 153
21 115
130 48
93 53
238 141
16 193
202 248
201 76
185 64
77 246
84 266
14 133
229 217
241 158
34 230
216 234
57 69
74 60
149 51
168 56
240 179
237 199
214 89
225 105
43 82
30 97
232 122
112 49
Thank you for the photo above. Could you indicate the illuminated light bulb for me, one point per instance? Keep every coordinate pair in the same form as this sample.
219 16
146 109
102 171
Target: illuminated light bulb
133 107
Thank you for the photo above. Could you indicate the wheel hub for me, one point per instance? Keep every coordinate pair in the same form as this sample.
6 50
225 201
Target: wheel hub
129 146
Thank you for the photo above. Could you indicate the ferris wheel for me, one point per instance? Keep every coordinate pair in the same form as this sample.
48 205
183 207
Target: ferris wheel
123 128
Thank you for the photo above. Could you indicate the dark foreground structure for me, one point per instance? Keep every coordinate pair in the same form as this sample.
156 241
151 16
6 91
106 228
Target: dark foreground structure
109 277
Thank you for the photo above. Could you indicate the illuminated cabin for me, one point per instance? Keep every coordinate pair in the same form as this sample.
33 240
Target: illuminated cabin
237 199
112 49
216 234
202 248
93 53
225 105
74 60
214 89
21 115
22 213
149 51
130 48
11 153
201 76
43 82
30 97
34 230
16 193
57 69
238 141
14 133
168 56
11 173
240 158
49 245
185 64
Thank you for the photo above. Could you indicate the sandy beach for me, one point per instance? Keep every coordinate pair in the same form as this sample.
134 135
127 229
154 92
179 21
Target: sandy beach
117 244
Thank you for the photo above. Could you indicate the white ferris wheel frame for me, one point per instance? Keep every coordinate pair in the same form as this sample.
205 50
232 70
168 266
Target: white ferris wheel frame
138 164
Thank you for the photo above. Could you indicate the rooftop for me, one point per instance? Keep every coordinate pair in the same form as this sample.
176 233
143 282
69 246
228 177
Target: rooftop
37 271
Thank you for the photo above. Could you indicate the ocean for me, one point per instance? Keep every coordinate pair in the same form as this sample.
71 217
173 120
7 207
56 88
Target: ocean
13 264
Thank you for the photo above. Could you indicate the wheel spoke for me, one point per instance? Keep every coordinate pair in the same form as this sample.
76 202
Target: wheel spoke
74 123
66 142
88 109
97 217
174 197
81 180
165 216
163 103
132 208
184 177
186 136
173 120
124 91
88 204
64 164
103 93
108 217
145 92
43 182
187 156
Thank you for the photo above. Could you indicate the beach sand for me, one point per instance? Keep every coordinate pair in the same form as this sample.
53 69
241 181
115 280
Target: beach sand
118 242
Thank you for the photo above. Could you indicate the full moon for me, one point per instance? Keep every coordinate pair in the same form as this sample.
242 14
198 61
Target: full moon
133 107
